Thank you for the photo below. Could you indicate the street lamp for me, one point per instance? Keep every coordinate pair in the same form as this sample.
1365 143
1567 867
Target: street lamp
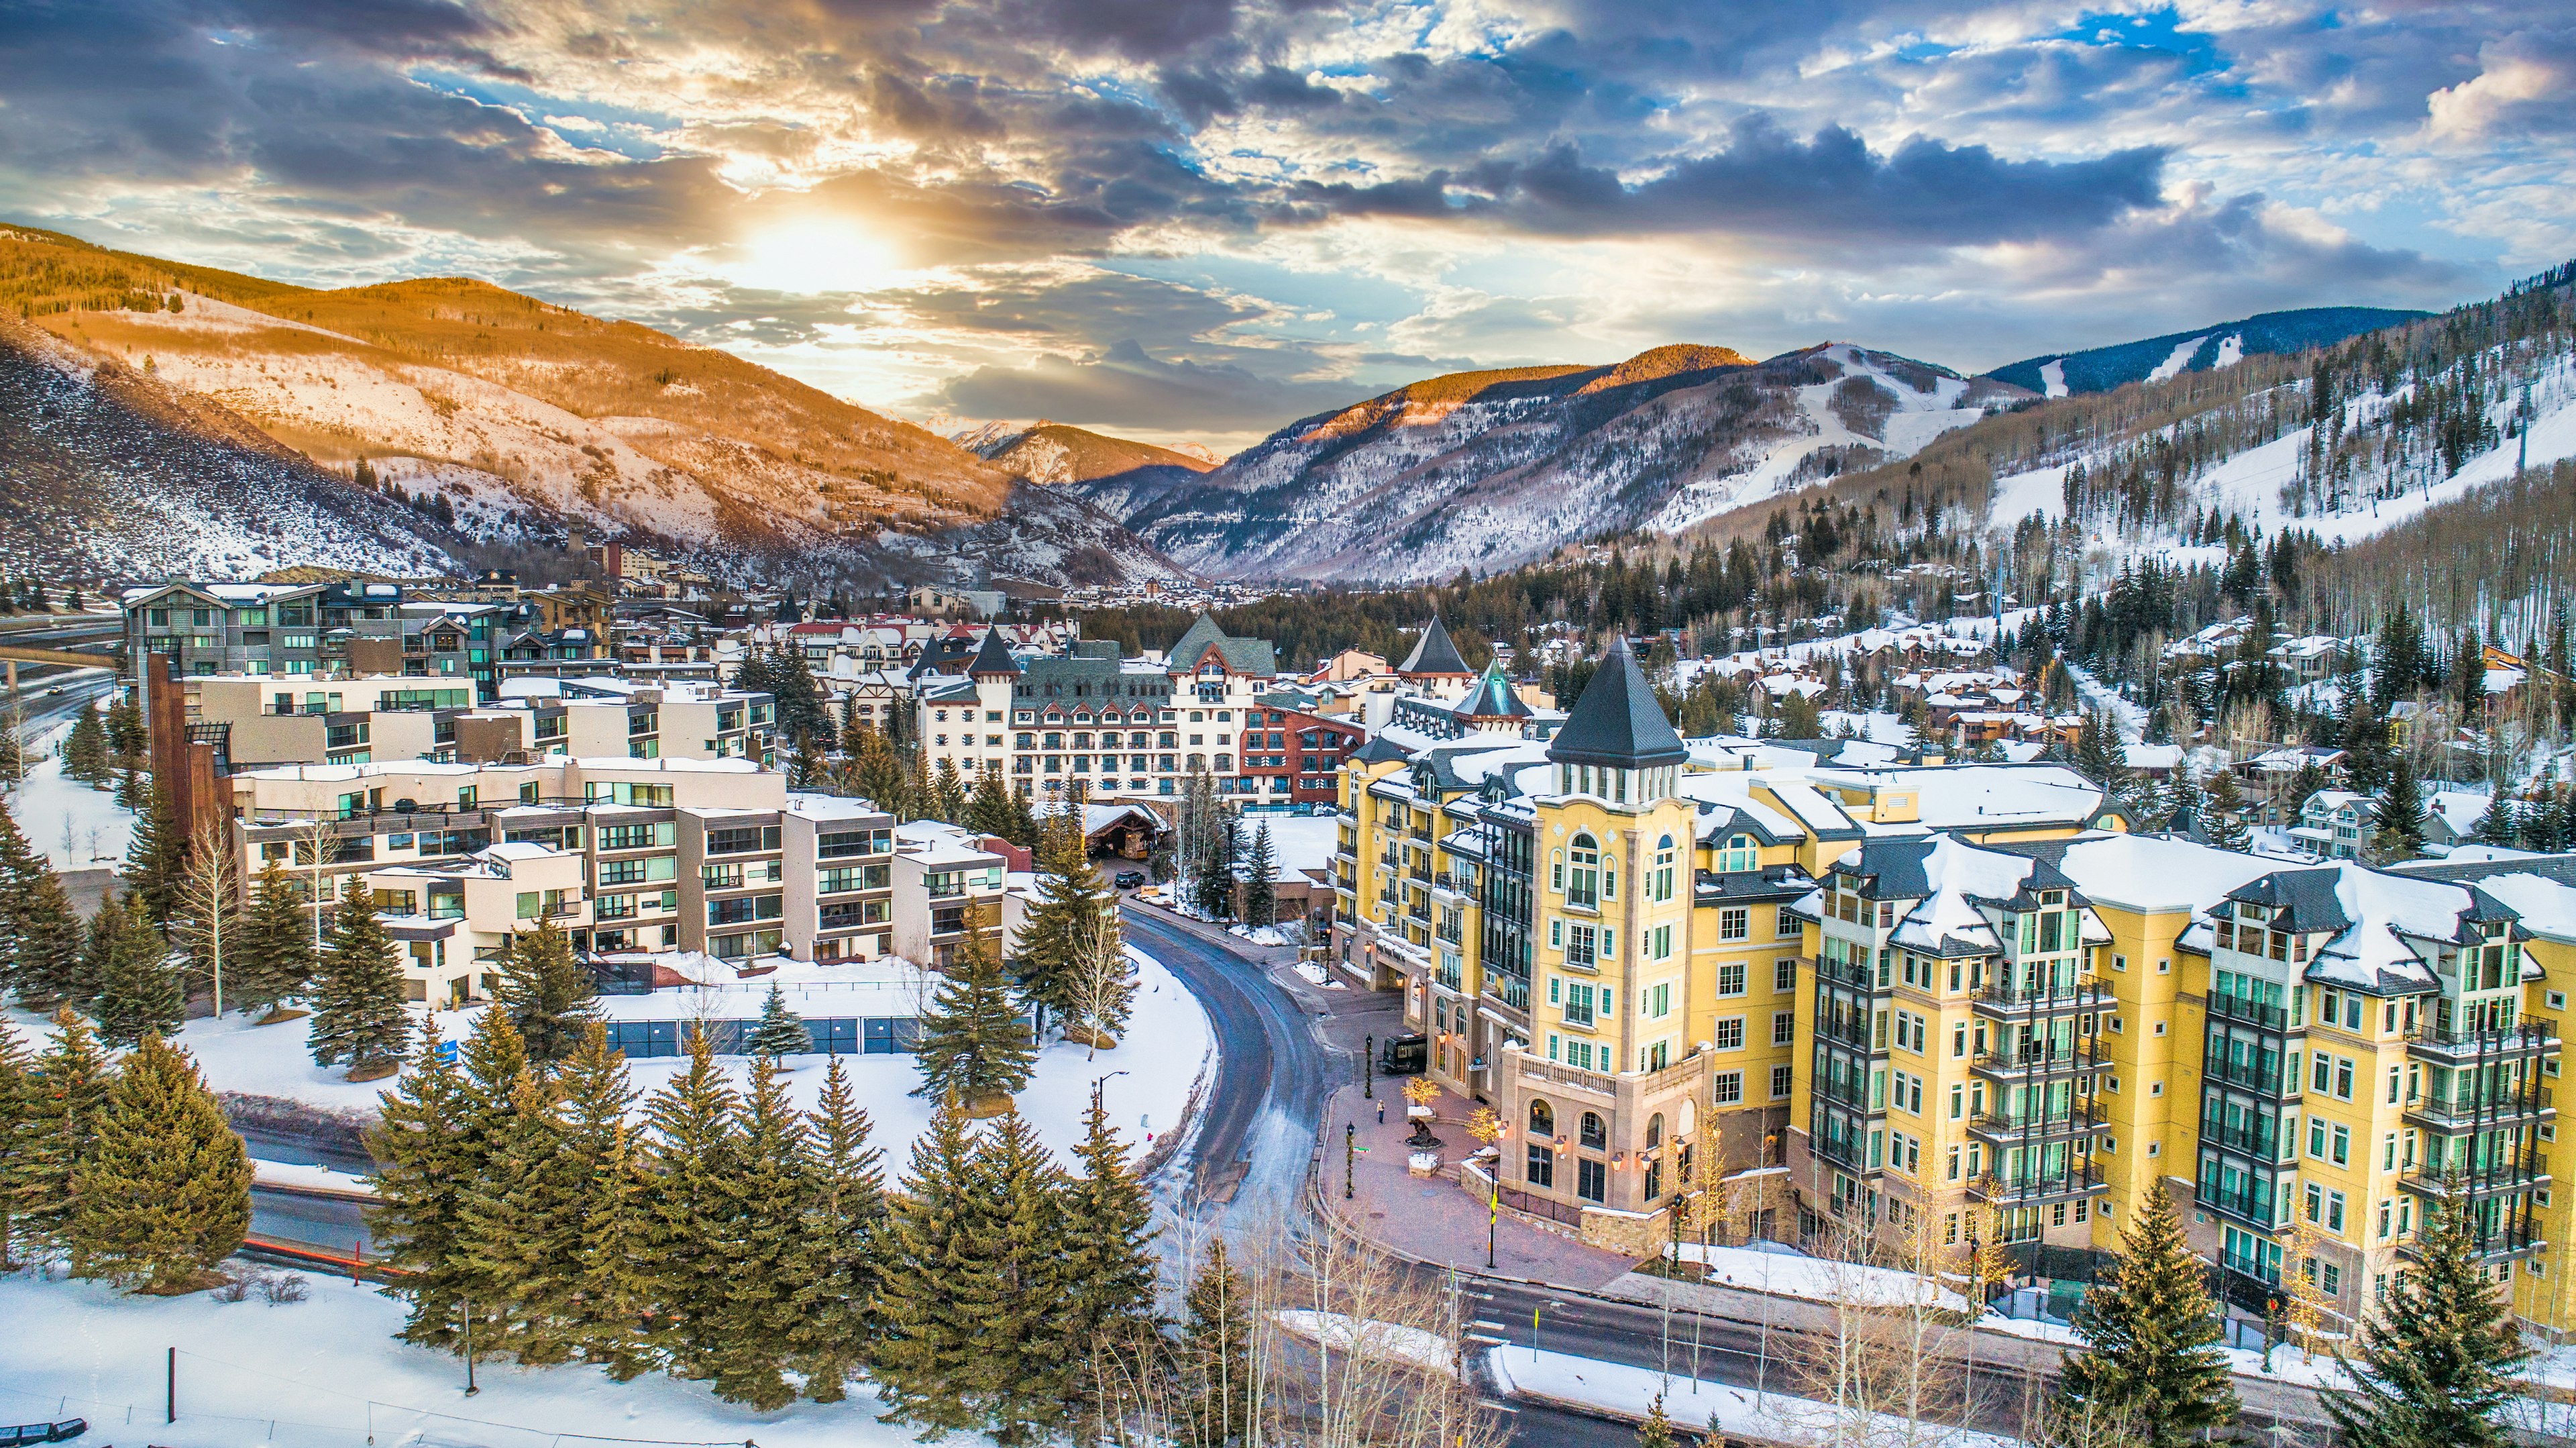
1368 1070
1350 1156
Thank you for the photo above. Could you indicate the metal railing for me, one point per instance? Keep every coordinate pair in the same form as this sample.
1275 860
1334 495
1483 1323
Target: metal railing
2261 1013
2508 1107
2086 991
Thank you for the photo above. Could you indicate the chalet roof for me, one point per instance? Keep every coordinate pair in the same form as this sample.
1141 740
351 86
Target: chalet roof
1434 653
1617 721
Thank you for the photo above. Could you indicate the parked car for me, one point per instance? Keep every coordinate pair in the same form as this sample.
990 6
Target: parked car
1129 880
27 1434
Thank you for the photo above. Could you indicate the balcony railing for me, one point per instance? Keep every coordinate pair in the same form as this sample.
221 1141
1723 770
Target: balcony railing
2077 1121
2246 1204
2262 1072
2038 1058
2531 1035
2089 991
2071 1181
2264 1143
2510 1107
2505 1171
2261 1013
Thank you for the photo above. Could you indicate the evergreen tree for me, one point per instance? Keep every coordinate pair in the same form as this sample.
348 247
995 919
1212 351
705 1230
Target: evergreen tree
2435 1364
126 738
973 1046
85 755
67 1096
357 995
2500 825
616 1292
2397 815
1013 1279
156 860
928 1367
1215 1370
166 1194
2098 753
1214 872
1060 934
1260 893
696 1162
1107 1224
845 1228
988 809
547 993
272 958
920 796
948 789
139 990
2150 1360
514 1217
423 1153
2224 822
781 1032
48 968
17 1135
132 792
769 1259
1657 1431
879 775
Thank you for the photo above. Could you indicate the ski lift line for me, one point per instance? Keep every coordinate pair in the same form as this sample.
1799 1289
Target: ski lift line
375 1403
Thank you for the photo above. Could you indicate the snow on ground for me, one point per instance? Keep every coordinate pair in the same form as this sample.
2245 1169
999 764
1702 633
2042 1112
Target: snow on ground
1167 1045
327 1373
1298 843
1366 1337
78 828
2052 378
1818 1279
2177 359
1731 1411
2097 695
295 1176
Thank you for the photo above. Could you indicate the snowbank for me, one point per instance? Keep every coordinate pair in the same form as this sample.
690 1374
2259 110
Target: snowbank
1622 1391
293 1177
327 1372
1818 1279
1365 1337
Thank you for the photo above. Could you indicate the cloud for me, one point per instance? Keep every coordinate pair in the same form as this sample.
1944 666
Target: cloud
2525 88
1126 387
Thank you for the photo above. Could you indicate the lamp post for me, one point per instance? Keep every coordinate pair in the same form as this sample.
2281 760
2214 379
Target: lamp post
1350 1157
1368 1069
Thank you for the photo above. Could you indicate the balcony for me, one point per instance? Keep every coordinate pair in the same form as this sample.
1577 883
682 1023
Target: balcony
1847 973
2506 1171
2036 1060
1553 1073
2261 1072
2245 1203
1846 1152
2511 1109
2013 1130
2530 1036
2265 1142
2000 998
2036 1187
2515 1236
2238 1008
1846 1092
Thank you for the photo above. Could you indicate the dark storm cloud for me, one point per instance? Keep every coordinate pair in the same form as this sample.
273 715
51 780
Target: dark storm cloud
1829 188
1127 387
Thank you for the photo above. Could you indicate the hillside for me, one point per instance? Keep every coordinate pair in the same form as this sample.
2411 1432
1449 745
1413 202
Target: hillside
107 471
1116 474
522 415
1483 470
2153 359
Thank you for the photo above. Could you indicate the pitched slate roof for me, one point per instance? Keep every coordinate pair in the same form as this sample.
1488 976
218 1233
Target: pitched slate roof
1242 655
1434 653
993 656
1617 721
1491 698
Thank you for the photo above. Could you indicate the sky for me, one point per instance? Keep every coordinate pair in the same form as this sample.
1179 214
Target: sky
1199 220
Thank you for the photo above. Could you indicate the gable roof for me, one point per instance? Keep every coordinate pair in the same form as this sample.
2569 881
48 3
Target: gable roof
1240 655
1617 721
1434 653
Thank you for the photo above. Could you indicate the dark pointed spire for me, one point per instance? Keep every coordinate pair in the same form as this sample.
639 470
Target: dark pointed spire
1434 653
993 656
1491 698
1617 722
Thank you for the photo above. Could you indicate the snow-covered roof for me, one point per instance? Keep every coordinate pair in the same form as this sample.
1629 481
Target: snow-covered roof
2375 918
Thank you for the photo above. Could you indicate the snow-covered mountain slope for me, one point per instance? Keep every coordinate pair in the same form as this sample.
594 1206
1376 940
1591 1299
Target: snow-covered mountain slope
2153 359
523 416
1483 470
107 471
1118 475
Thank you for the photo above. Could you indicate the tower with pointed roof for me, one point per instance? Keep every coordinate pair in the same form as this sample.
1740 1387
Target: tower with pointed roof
1435 657
1617 746
1491 707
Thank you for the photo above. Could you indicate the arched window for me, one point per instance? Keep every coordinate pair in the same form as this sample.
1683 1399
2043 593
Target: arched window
1736 856
1664 868
1556 871
1596 1137
1542 1119
1583 883
1654 1131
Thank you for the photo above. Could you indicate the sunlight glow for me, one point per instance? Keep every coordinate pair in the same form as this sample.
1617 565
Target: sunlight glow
813 255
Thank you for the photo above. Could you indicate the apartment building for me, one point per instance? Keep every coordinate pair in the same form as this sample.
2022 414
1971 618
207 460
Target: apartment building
362 718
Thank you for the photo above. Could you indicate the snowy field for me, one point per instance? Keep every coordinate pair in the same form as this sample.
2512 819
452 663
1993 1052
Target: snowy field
1167 1046
327 1373
77 827
1818 1279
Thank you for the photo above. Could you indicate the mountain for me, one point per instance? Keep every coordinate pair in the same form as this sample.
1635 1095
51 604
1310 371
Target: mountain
107 470
2060 374
1116 474
520 416
1483 470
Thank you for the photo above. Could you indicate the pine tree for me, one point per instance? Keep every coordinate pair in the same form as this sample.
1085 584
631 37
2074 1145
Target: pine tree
920 796
927 1368
973 1046
2224 823
424 1164
139 990
1214 871
988 809
68 1095
846 1228
85 756
1260 894
1108 1269
126 738
2435 1364
48 968
616 1292
1024 819
156 859
357 996
879 775
2149 1328
2098 753
1215 1377
17 1135
547 993
272 958
780 1031
1657 1431
1061 930
769 1259
166 1195
948 789
1013 1280
513 1216
696 1157
2500 825
2397 815
587 1293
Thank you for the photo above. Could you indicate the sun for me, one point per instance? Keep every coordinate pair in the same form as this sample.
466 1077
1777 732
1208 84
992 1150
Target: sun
813 255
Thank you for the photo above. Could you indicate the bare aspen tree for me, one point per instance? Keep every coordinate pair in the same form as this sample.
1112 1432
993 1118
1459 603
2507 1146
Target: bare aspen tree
316 845
210 902
1104 984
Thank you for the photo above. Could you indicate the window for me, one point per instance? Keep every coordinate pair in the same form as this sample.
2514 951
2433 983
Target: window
1735 923
1583 881
1726 1088
1782 1078
1542 1119
1784 1027
1591 1180
1788 925
1663 882
1784 974
1730 1034
1540 1169
1591 1133
1730 978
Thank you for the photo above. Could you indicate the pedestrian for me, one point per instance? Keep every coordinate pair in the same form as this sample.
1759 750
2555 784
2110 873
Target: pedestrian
1381 1113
